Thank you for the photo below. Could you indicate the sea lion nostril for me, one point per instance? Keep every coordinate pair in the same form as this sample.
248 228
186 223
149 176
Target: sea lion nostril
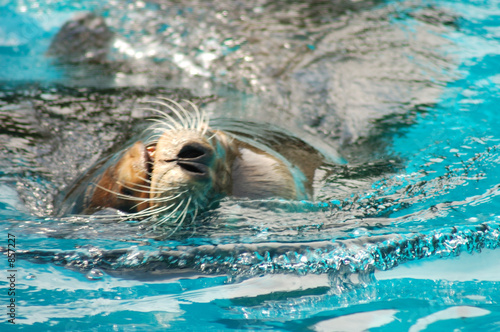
192 151
192 167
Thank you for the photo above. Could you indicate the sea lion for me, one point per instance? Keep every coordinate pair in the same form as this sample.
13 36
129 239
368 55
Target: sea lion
182 165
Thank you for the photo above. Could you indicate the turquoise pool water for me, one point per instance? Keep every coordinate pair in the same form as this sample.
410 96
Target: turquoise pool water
402 237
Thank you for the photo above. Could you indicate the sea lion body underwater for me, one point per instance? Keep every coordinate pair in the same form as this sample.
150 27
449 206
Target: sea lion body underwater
181 166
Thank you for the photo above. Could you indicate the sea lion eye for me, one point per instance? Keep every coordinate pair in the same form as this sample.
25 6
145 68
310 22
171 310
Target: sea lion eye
127 191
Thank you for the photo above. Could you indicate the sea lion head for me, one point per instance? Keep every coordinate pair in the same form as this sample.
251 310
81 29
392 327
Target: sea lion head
181 168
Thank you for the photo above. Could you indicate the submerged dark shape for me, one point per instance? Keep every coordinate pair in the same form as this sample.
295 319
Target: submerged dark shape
84 39
182 165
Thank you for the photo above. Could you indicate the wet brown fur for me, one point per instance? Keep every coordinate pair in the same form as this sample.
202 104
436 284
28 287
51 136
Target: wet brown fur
127 178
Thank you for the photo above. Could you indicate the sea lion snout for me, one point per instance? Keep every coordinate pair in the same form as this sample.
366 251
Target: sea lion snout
184 165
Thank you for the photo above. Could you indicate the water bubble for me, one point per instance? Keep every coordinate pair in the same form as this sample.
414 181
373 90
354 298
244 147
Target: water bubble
95 274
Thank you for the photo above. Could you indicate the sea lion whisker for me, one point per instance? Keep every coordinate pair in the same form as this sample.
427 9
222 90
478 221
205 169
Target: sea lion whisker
130 197
156 209
182 119
196 210
205 127
142 189
165 218
203 124
154 200
163 199
197 116
198 120
212 137
154 138
169 198
161 113
106 189
193 116
118 194
204 121
139 202
142 215
179 193
153 210
146 180
183 214
161 125
134 186
171 121
155 131
188 116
